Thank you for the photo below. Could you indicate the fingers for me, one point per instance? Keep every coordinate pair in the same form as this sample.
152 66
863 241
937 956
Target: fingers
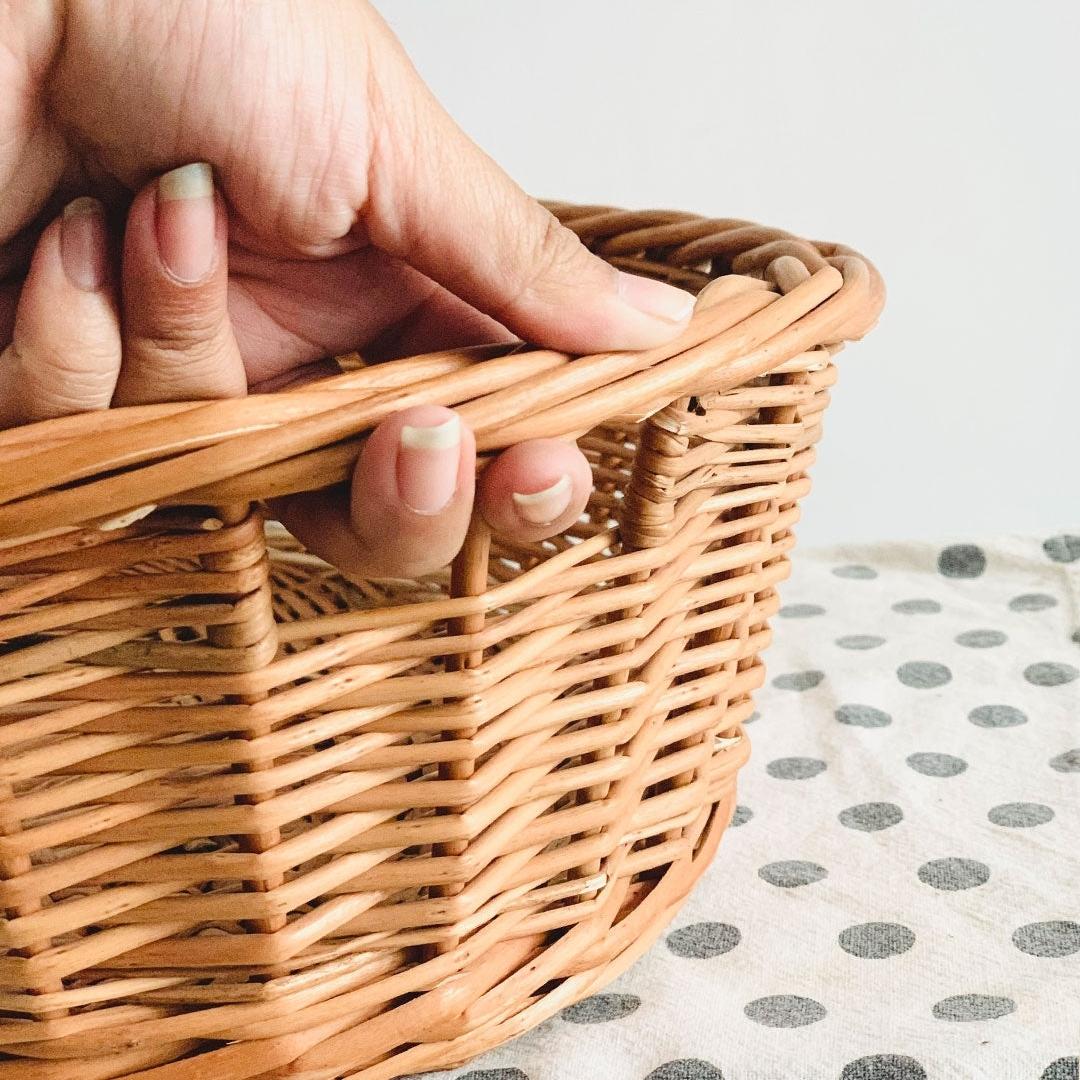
412 495
67 353
440 321
289 312
177 338
64 356
411 498
535 489
437 201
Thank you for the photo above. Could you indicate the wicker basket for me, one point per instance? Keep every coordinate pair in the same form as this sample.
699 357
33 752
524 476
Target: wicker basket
258 819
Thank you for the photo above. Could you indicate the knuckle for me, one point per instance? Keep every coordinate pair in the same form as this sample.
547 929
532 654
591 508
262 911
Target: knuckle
51 384
554 251
168 350
547 254
382 561
383 558
180 325
378 553
181 362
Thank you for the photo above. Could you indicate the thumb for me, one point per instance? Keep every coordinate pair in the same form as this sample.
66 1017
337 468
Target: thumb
438 202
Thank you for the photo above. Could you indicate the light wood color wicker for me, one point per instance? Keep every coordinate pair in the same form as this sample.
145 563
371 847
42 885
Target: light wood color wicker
260 820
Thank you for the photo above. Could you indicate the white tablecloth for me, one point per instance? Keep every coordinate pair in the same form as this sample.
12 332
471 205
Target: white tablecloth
899 897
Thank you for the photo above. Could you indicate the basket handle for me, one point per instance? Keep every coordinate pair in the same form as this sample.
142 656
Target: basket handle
85 468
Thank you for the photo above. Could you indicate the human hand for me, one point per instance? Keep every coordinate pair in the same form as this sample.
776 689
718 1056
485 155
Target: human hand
360 217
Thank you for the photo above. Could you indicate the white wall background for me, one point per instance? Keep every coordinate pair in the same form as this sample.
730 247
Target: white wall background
940 138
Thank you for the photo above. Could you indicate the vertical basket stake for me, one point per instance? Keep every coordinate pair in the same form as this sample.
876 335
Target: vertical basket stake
468 577
230 636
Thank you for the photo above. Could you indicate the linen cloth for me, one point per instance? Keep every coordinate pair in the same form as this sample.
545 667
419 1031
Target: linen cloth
898 897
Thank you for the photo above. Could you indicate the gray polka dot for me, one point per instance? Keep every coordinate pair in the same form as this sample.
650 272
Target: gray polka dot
1050 674
1020 815
918 606
1032 601
752 718
953 874
798 680
937 764
1066 1068
1051 939
884 1067
862 716
686 1069
801 611
791 874
855 572
860 642
785 1011
1076 636
703 941
923 674
1067 762
600 1008
1064 548
493 1074
997 716
795 768
964 1007
876 940
981 639
871 816
741 816
962 561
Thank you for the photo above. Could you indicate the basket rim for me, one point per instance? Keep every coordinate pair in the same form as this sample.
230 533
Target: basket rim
776 297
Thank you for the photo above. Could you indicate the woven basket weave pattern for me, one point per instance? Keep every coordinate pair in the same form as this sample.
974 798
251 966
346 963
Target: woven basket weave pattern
259 819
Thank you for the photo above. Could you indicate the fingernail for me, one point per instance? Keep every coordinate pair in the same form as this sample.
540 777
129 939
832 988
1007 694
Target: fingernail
427 465
544 507
655 298
185 221
83 249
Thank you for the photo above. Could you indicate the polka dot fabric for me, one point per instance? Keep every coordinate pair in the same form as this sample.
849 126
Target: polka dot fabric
898 895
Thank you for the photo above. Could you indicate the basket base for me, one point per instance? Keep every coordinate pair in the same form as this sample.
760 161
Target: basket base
643 918
478 1008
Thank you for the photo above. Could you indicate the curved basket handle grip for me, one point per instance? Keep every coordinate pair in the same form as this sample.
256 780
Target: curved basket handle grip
261 446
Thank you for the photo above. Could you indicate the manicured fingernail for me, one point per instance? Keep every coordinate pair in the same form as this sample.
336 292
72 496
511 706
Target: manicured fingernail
427 465
83 248
544 507
185 221
655 298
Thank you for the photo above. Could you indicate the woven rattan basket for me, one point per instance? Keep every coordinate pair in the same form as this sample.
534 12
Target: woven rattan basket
258 819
